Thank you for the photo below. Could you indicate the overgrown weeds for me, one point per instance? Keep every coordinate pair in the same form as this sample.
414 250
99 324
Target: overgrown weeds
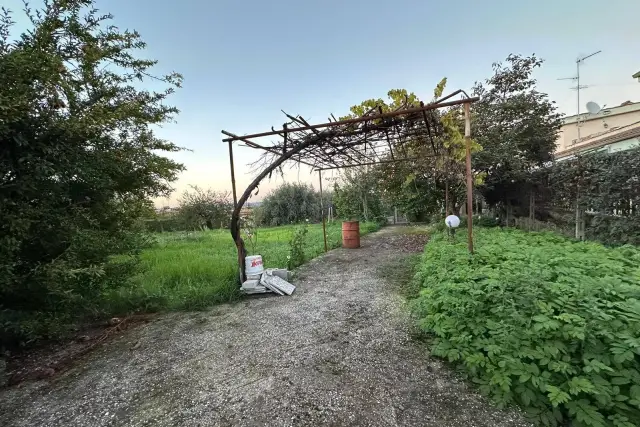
296 246
541 321
191 271
180 271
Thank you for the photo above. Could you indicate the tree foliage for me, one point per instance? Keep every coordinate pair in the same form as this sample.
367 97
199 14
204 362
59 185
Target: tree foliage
516 125
418 187
358 196
201 208
78 160
289 204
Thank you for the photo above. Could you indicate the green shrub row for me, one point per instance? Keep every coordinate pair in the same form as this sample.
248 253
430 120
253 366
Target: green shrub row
162 225
540 321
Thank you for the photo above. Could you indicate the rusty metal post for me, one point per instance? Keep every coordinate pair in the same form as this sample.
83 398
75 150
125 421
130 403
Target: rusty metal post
467 138
359 119
233 175
235 203
324 226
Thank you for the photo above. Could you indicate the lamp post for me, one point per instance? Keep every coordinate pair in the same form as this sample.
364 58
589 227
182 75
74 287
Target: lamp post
452 222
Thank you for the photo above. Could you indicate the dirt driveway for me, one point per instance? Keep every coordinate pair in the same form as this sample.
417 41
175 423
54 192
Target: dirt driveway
336 353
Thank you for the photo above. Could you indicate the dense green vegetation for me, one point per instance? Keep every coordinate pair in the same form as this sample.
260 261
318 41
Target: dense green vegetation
517 126
418 187
605 184
358 197
194 270
198 209
290 203
539 320
201 209
79 162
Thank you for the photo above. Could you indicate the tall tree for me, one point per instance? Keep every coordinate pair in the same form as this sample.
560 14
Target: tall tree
289 203
358 195
517 126
78 160
200 208
420 188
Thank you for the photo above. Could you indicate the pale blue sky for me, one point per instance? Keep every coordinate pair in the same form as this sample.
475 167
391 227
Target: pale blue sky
243 61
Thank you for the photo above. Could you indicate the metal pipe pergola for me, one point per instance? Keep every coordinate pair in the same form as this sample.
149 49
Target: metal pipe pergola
366 140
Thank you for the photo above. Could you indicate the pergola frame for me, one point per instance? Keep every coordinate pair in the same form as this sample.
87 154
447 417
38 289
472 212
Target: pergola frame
366 140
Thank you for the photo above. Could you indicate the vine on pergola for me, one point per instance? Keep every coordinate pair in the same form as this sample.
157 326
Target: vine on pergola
375 137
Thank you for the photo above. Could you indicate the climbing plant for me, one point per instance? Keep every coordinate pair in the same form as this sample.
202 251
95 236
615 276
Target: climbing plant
418 188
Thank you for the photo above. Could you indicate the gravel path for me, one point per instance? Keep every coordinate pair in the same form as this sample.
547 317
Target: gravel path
336 353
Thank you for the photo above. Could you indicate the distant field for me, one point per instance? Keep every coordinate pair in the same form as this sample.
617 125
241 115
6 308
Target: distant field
184 271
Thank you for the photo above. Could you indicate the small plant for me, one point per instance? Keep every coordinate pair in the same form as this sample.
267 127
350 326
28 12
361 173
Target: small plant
296 247
250 232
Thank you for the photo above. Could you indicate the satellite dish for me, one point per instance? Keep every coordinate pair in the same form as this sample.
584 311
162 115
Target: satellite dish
593 108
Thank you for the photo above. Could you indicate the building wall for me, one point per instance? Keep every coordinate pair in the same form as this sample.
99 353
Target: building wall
627 144
600 126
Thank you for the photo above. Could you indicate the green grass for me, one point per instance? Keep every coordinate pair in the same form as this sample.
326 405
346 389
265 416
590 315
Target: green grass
190 271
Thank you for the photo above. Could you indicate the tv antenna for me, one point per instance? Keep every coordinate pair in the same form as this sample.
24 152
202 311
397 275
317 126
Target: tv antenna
578 87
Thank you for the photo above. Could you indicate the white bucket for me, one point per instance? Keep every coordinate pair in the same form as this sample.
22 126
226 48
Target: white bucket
253 265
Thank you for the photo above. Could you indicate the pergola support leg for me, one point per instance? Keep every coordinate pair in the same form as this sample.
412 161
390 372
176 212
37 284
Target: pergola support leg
324 226
327 150
239 242
467 137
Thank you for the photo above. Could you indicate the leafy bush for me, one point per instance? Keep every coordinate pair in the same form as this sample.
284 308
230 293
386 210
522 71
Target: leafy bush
614 230
485 221
289 204
541 321
79 162
296 247
358 201
200 209
607 187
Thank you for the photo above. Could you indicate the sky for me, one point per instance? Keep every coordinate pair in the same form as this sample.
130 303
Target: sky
244 61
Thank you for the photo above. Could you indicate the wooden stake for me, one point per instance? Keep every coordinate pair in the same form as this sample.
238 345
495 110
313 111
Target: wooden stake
239 246
447 211
324 227
467 137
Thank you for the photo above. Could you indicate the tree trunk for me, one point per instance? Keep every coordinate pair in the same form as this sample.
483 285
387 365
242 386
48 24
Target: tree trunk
364 204
447 211
532 210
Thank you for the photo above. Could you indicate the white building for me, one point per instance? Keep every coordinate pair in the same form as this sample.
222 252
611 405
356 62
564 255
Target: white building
612 129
